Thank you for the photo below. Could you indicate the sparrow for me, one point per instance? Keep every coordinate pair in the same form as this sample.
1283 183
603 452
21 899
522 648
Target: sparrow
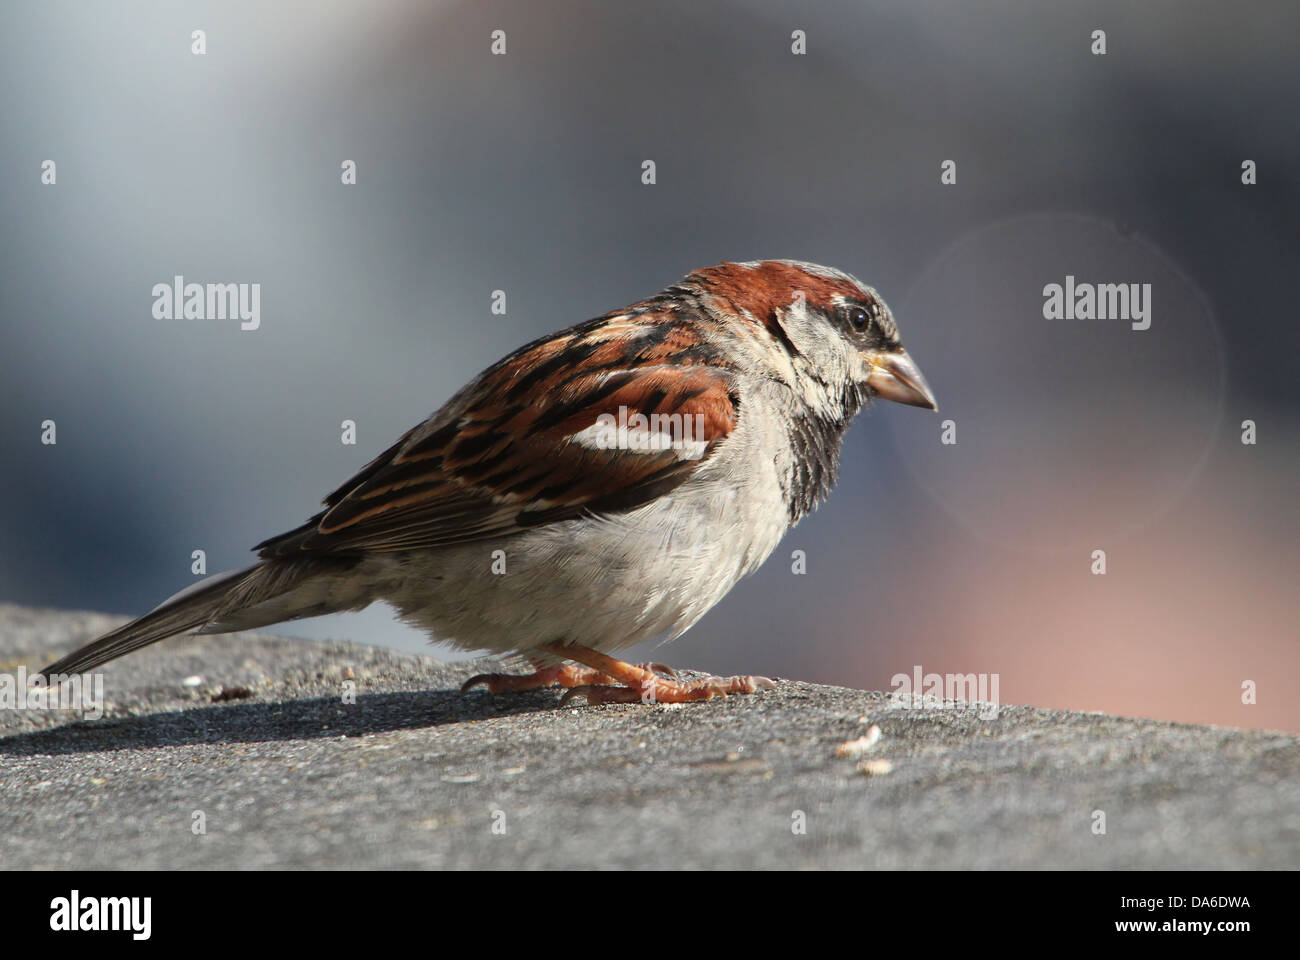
599 487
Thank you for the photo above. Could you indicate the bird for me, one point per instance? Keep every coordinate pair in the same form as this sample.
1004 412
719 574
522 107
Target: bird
597 488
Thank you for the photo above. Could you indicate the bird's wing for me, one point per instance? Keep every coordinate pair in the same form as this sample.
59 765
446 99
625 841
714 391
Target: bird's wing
536 440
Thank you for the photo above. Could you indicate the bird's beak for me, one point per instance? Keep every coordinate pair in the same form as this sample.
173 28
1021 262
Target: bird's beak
895 376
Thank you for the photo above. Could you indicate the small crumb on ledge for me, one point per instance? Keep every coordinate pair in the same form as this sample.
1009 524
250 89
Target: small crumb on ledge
875 768
856 748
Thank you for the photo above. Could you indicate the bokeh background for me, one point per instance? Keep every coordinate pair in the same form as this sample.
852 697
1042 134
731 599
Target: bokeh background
523 173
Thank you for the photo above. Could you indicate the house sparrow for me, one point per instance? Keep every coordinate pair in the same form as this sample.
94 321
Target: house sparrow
598 487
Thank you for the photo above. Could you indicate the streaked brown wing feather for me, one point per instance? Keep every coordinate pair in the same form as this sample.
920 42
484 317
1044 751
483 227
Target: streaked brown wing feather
492 462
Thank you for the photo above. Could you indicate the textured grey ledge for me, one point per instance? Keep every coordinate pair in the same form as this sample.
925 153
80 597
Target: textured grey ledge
414 775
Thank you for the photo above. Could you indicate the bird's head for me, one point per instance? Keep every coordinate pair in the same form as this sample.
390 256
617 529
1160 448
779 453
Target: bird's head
834 330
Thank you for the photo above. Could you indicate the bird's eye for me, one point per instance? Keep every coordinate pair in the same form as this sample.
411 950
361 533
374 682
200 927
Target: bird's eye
860 317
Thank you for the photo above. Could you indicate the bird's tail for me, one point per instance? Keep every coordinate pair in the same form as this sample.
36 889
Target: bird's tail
237 600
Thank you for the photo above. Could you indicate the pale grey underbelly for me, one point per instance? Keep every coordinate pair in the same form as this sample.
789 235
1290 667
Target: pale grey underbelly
605 583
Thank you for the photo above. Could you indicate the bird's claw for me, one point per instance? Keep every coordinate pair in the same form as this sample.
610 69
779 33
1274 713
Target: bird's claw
655 690
564 675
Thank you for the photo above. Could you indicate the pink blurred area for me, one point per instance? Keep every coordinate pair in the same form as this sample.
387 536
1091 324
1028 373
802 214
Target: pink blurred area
1191 607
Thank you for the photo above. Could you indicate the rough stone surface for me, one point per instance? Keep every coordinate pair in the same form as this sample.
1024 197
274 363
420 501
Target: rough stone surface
415 775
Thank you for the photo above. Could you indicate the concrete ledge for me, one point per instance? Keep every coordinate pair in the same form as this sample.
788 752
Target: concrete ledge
413 775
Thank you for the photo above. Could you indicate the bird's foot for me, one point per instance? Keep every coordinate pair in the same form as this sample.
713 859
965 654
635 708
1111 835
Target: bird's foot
627 683
560 674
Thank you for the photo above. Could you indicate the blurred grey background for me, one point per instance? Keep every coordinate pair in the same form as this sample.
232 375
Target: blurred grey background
522 173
